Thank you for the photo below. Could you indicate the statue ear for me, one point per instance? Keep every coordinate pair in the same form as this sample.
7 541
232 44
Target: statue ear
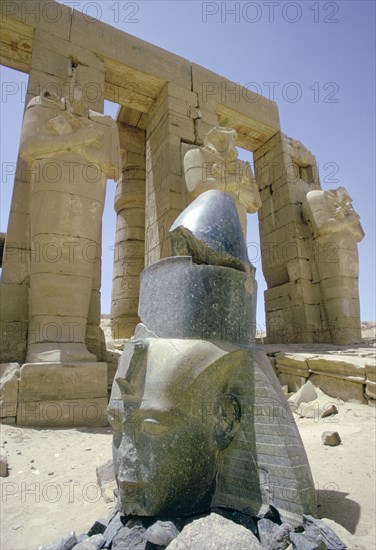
227 420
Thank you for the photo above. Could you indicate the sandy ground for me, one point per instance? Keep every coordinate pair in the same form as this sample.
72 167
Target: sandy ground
52 490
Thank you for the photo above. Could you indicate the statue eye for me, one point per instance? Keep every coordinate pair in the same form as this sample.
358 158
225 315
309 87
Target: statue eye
153 427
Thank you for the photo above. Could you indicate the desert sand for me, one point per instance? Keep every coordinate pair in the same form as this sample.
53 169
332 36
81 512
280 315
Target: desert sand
51 488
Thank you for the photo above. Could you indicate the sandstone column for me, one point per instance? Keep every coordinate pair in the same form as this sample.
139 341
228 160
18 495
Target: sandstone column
130 233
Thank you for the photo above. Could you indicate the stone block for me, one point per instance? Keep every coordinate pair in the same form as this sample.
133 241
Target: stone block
55 21
60 413
8 420
18 228
14 301
54 381
342 307
293 383
339 366
15 268
13 341
341 389
131 138
124 326
64 255
9 373
72 207
340 287
116 46
132 217
343 335
293 363
128 267
299 268
370 389
126 287
119 306
370 370
73 291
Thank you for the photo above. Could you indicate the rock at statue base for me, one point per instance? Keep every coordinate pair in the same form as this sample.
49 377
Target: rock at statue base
131 539
215 531
66 543
92 543
161 533
272 535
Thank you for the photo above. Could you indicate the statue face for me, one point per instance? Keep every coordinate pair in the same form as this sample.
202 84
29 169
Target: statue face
164 447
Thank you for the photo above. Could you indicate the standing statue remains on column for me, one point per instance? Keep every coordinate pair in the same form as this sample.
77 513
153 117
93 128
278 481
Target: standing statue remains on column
336 230
71 151
216 166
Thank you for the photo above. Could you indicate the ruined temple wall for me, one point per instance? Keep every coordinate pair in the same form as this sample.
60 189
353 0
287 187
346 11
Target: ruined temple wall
171 122
285 171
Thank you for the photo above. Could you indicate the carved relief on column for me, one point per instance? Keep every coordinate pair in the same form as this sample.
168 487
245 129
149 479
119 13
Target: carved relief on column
130 234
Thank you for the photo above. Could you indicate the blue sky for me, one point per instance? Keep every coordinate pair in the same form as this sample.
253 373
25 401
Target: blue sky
320 57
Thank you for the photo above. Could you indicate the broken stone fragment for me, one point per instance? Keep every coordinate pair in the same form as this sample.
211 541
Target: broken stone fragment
92 543
333 409
66 543
133 539
98 527
306 394
266 529
331 438
281 537
301 542
161 533
316 528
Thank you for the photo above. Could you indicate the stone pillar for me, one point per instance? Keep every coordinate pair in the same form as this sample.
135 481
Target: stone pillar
14 285
59 388
50 63
130 233
171 122
336 231
285 172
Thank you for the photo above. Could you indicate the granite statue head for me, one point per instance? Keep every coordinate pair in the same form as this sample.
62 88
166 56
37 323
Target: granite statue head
185 436
167 440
